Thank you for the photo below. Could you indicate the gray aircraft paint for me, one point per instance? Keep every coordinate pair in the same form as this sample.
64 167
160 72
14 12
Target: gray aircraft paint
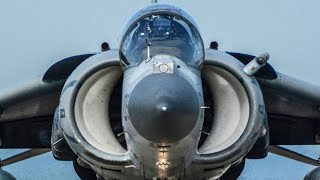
280 41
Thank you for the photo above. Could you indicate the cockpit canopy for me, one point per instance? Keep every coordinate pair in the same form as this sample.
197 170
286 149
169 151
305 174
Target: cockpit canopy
165 35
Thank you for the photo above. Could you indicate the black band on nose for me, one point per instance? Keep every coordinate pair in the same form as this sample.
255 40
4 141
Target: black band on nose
163 108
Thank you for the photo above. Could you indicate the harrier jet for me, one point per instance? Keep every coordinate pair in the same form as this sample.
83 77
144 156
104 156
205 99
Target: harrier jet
162 106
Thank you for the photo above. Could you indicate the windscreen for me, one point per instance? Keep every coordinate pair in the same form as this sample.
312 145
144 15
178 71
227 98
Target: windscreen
161 35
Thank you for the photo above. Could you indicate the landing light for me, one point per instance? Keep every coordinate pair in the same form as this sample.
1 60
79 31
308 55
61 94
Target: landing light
163 164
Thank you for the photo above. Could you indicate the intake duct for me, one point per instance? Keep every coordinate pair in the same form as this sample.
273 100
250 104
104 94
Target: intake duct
229 110
90 114
235 115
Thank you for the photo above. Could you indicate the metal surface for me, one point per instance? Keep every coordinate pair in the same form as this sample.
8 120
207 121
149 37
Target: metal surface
238 109
162 67
85 137
62 69
91 109
4 175
266 72
59 146
231 109
294 87
163 64
256 64
163 108
164 159
216 163
313 175
30 100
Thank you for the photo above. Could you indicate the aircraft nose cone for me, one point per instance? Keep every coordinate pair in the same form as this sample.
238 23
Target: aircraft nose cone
163 108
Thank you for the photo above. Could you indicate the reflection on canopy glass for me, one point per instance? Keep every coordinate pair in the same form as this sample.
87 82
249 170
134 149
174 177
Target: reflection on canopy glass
166 35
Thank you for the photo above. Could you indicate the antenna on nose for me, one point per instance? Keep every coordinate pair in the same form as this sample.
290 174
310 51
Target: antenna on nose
149 55
154 1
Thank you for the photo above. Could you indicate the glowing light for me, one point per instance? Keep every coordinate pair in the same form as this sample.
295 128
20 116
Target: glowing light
163 164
